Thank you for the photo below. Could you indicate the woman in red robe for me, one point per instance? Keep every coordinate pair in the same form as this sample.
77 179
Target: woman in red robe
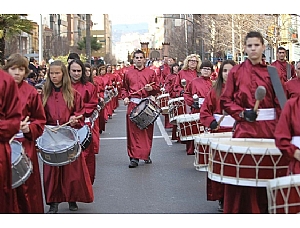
88 92
10 118
68 183
136 85
199 86
208 112
238 100
29 194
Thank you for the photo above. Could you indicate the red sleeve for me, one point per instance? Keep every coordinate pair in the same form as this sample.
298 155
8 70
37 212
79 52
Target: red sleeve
227 98
91 100
207 109
283 130
125 87
37 117
188 94
78 109
10 108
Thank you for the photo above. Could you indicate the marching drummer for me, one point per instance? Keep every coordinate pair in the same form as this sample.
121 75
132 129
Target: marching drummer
10 118
29 194
89 96
238 100
138 83
208 111
195 93
62 103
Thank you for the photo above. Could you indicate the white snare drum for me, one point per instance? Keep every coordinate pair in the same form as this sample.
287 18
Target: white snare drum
284 195
245 161
145 113
189 126
162 102
21 165
176 107
60 148
201 150
85 136
94 116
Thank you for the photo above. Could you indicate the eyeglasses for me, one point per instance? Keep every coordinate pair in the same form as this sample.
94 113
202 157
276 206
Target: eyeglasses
281 52
206 68
139 57
193 61
76 70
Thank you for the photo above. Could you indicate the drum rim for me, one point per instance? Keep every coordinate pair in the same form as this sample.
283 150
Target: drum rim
217 144
188 117
175 99
283 181
163 95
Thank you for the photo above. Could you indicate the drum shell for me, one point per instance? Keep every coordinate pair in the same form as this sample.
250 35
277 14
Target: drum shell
146 115
189 126
177 107
201 144
162 102
245 166
284 195
21 165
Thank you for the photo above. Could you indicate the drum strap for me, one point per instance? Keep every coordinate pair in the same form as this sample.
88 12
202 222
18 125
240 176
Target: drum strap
277 86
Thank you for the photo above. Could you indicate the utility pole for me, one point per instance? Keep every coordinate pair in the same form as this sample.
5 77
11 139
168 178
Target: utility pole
232 37
88 38
41 39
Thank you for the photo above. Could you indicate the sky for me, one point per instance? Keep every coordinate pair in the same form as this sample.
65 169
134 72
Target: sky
130 18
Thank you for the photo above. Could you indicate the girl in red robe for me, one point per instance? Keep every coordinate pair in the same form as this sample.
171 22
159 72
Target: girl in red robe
10 118
29 194
69 183
211 107
199 86
88 93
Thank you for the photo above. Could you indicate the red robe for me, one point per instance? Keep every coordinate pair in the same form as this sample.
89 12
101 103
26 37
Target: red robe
107 83
112 102
287 127
281 67
200 86
68 183
29 194
139 142
10 118
89 96
292 87
239 94
164 73
210 106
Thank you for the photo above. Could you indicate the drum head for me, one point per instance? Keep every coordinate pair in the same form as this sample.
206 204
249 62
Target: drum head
139 108
63 138
16 149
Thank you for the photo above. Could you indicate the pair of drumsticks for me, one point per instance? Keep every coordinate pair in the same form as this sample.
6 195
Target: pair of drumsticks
21 124
60 126
142 88
260 94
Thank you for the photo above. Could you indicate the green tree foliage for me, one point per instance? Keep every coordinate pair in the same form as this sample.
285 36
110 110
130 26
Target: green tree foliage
10 25
95 46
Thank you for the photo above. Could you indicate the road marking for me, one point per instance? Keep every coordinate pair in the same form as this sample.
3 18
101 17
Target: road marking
120 138
163 131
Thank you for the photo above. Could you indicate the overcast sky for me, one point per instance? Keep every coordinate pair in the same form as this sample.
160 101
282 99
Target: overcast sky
130 18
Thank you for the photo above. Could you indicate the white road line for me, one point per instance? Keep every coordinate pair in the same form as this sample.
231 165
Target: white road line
163 131
123 138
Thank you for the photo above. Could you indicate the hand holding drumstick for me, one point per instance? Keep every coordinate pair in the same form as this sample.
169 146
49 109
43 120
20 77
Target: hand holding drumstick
147 87
23 127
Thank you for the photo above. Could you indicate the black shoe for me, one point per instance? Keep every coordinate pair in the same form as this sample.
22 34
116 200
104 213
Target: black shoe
149 161
220 208
53 208
73 206
133 164
109 117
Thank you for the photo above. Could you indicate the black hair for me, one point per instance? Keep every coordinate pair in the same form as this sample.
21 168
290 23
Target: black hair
254 34
83 78
73 55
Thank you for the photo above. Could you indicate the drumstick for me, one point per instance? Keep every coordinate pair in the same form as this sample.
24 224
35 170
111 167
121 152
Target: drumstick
222 118
142 88
49 128
77 117
260 94
25 121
